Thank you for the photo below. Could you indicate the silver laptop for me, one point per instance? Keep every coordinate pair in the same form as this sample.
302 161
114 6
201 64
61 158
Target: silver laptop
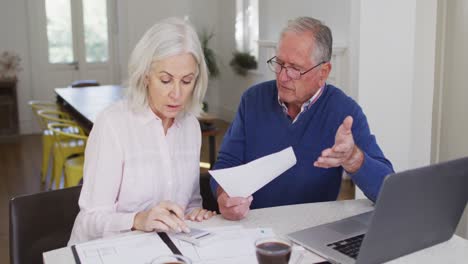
415 209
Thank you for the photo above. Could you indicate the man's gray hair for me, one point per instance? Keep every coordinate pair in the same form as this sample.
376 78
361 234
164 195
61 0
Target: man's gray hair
322 35
169 37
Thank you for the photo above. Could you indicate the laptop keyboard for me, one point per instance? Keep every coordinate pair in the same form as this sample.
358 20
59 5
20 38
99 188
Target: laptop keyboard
349 246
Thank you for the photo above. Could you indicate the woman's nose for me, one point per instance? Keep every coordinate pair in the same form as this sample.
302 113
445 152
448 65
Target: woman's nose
176 91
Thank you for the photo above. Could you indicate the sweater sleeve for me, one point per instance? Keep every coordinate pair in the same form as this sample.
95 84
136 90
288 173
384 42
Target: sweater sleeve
375 166
103 167
232 152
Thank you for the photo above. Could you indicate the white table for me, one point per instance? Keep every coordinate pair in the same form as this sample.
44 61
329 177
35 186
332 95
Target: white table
286 219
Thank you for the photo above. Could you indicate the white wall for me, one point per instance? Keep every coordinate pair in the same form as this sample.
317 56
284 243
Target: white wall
14 37
396 73
423 83
273 16
454 127
451 122
135 17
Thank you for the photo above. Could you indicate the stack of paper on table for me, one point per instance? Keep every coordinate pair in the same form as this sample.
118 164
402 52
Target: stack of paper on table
231 245
244 180
234 245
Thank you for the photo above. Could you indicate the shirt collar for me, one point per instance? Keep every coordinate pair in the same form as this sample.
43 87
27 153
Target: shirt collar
306 105
147 115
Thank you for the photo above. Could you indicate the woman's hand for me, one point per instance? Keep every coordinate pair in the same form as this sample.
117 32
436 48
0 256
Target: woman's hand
199 214
166 216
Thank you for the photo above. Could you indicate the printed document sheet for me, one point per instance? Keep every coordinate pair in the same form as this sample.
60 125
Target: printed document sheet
234 245
244 180
230 245
135 247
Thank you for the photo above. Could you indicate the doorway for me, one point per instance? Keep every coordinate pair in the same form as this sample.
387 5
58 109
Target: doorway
71 40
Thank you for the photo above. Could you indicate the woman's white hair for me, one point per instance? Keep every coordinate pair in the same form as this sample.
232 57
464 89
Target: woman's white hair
169 37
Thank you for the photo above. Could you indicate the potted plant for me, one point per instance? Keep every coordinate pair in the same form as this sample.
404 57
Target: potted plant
9 66
210 56
242 62
210 59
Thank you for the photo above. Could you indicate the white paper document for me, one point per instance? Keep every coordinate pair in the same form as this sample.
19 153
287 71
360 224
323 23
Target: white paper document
230 245
135 247
244 180
234 245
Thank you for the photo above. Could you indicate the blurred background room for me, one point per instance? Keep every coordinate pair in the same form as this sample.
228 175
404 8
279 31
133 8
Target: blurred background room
403 61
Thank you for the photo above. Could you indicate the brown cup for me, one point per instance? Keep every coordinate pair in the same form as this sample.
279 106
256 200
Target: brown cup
273 250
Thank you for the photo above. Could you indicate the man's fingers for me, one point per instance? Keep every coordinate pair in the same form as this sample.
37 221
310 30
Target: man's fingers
235 201
323 162
237 212
327 152
345 128
331 153
321 165
342 148
348 123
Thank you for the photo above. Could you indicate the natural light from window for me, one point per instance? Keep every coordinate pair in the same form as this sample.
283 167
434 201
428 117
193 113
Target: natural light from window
95 30
247 26
59 31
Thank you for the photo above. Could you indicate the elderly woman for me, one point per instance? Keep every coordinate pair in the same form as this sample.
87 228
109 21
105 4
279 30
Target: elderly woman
141 167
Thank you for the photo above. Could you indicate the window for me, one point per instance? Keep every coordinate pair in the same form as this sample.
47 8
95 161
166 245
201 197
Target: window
247 26
95 30
61 31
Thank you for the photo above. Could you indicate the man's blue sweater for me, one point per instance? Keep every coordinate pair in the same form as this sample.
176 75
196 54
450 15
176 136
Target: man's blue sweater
261 128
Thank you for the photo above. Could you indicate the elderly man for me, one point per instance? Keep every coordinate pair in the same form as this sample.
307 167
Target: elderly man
327 129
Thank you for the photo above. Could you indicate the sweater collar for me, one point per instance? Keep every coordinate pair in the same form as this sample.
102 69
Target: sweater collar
306 105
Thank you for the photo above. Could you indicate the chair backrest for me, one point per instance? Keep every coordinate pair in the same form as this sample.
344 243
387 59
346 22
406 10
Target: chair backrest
69 134
48 116
37 105
84 83
209 201
41 222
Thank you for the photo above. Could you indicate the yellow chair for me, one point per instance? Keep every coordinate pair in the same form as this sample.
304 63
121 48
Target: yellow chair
47 136
49 116
68 137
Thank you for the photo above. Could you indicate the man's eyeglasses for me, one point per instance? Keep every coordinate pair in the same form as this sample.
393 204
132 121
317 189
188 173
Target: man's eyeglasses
292 73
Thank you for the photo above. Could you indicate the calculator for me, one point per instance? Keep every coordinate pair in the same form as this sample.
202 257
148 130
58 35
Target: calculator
197 237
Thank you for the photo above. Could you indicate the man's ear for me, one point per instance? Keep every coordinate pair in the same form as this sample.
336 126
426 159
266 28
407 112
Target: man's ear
325 71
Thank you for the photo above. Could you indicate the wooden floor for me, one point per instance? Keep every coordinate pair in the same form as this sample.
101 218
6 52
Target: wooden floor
20 163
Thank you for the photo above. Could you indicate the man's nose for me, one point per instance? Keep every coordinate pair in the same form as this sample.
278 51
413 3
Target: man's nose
283 76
